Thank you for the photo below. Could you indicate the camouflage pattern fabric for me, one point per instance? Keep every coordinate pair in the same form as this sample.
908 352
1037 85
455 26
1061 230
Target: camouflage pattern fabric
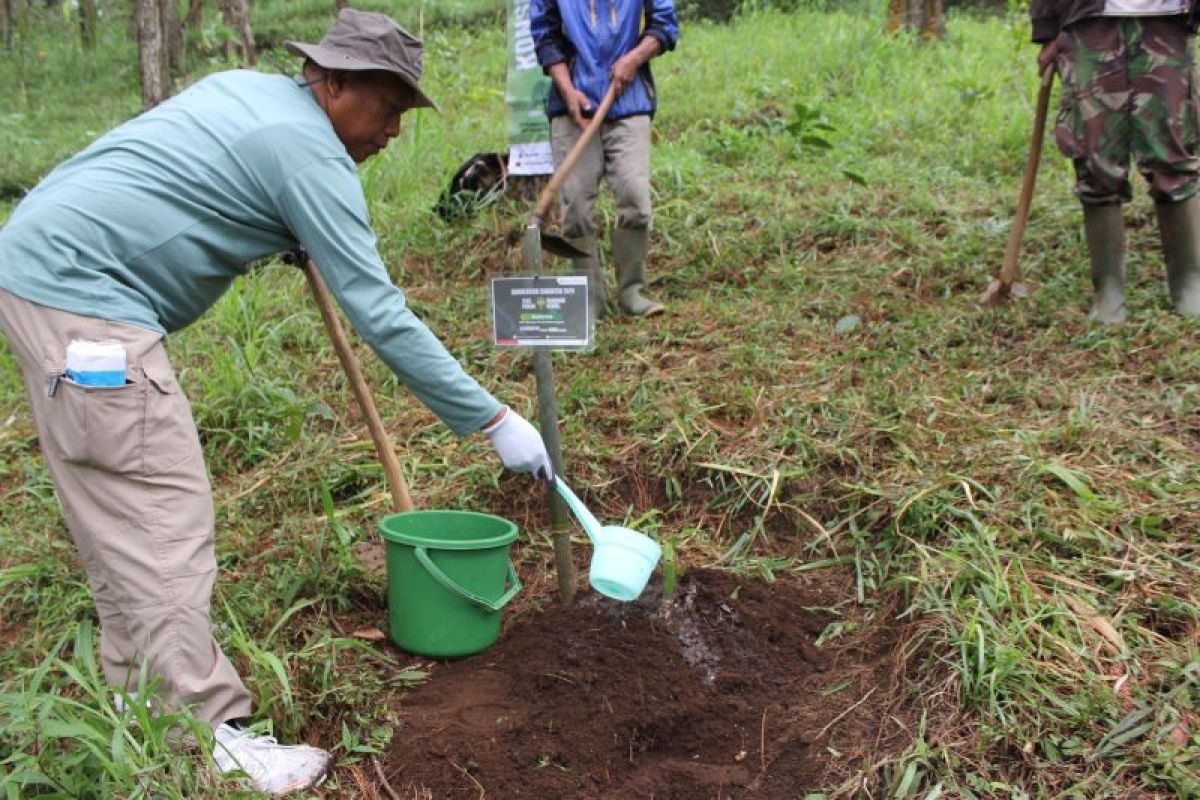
1128 92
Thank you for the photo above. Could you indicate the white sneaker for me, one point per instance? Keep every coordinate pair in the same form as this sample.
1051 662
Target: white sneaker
123 708
273 768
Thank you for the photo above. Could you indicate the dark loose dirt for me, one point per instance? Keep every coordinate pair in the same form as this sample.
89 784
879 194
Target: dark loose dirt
719 693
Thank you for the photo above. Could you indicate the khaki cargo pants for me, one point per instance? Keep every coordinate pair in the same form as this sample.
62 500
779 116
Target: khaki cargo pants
621 155
131 479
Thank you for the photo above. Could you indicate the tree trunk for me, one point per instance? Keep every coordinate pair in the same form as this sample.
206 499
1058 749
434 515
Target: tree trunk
237 16
923 16
934 23
8 24
172 34
151 53
87 23
340 4
195 15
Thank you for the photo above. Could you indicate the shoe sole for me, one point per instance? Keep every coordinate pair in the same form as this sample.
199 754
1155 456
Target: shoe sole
300 783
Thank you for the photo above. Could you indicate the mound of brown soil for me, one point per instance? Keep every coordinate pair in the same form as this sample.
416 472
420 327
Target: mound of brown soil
719 693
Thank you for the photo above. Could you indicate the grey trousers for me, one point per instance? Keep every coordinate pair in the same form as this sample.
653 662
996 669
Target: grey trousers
621 155
131 478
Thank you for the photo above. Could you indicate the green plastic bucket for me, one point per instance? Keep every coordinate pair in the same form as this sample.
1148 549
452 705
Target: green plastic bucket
449 577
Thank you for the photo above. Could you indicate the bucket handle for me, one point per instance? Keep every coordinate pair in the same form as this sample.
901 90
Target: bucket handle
449 584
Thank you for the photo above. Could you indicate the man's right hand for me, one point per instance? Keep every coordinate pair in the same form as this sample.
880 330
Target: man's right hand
1047 55
519 445
577 103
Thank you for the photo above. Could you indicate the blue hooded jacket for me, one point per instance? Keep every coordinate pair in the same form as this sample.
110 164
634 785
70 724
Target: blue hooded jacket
590 35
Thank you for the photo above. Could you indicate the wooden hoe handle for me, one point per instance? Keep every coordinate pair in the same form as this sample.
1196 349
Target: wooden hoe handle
1008 272
401 501
560 174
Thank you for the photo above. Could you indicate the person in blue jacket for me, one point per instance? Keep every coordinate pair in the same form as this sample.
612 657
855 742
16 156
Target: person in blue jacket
585 47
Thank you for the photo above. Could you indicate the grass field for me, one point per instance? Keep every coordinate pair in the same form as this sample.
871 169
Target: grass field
1018 490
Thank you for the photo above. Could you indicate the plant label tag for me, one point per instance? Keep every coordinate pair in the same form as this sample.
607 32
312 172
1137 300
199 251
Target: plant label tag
547 311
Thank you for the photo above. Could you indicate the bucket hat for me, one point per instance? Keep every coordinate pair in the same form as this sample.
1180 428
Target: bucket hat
368 40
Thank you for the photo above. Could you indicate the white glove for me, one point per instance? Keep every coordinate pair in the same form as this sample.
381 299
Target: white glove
520 446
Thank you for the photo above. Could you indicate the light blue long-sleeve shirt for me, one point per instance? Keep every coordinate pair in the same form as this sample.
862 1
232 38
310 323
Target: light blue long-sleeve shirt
151 224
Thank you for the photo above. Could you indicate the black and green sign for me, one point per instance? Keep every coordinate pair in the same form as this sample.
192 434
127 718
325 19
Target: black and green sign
541 311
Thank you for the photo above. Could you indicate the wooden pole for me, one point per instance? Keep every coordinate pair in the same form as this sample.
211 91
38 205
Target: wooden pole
1012 251
1006 284
401 500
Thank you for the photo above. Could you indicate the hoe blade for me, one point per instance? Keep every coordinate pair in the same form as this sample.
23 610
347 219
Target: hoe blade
997 293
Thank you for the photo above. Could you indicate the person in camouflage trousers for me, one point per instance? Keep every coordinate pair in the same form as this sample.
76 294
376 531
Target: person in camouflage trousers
1128 93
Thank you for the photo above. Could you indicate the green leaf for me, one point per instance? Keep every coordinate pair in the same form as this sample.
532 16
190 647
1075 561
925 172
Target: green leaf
908 782
669 569
1077 482
854 177
1124 732
288 614
280 671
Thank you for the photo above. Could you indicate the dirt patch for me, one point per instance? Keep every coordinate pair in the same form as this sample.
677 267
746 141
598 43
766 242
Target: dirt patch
719 693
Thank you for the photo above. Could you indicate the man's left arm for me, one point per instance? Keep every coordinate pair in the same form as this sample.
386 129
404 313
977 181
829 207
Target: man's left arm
661 24
660 35
323 204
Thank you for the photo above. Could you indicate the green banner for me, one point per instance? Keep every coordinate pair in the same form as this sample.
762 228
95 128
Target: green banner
525 98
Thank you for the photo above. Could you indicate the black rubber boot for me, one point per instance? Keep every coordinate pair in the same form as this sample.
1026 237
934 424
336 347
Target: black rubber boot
1104 229
1179 227
590 266
629 246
